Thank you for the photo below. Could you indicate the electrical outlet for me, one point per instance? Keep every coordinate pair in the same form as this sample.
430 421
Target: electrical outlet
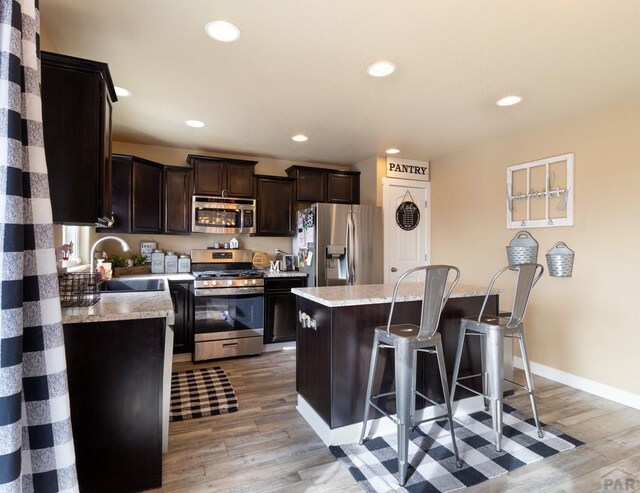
277 251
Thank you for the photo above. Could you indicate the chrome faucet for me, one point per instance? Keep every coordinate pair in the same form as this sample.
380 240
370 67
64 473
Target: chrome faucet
124 244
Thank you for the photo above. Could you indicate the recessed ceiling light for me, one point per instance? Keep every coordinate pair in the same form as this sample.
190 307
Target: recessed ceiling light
194 123
222 31
122 92
509 100
300 138
381 69
393 150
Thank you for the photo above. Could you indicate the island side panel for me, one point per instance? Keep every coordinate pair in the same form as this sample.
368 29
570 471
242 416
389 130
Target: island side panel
351 342
313 358
470 363
115 374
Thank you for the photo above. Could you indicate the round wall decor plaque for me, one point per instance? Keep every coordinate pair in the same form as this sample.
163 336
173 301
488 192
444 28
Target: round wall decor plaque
408 215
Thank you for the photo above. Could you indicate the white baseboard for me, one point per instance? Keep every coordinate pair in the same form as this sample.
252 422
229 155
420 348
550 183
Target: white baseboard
181 357
377 427
278 346
596 388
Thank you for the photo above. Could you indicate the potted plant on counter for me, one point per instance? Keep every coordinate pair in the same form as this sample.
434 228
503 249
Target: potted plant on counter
135 265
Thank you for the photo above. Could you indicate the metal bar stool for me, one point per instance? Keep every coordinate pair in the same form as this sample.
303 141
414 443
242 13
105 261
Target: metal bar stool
493 330
406 340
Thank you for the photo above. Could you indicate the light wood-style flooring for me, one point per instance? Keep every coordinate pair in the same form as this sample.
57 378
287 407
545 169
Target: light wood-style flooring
267 447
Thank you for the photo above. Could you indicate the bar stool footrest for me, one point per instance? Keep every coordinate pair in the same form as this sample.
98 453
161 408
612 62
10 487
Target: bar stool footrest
472 390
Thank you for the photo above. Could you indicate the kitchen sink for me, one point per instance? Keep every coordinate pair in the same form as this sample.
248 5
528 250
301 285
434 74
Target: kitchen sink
132 285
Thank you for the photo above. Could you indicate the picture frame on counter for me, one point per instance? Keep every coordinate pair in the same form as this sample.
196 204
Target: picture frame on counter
147 248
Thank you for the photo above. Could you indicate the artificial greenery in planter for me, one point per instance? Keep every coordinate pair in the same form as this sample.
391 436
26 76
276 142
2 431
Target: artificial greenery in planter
138 259
121 268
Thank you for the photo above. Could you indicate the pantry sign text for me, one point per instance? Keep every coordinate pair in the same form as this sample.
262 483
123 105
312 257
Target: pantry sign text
408 169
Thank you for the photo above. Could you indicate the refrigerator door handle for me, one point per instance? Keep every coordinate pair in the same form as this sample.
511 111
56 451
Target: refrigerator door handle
351 261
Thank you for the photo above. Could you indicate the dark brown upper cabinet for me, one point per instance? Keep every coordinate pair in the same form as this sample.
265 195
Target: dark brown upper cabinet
274 203
77 97
222 176
325 185
138 195
177 200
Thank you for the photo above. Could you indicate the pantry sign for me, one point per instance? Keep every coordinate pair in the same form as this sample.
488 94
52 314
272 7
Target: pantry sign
408 169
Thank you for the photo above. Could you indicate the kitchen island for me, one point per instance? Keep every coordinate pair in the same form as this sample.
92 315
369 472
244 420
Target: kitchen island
118 355
334 349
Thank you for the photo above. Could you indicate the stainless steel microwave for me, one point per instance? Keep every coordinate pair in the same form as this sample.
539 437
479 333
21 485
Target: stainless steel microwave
223 215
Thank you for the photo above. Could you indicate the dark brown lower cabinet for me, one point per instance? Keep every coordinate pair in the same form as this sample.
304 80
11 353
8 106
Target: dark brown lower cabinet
280 315
182 298
115 372
332 360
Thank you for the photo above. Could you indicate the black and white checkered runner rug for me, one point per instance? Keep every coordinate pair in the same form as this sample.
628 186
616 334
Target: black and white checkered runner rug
201 392
432 465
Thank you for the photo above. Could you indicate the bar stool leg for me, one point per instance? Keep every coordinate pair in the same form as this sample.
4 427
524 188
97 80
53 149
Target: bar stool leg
447 402
372 373
495 361
414 366
485 374
527 373
403 370
456 367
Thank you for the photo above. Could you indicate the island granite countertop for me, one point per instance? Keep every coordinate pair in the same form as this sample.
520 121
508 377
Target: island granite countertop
371 294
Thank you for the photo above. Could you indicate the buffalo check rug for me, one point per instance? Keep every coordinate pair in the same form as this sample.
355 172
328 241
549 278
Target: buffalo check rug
201 392
432 467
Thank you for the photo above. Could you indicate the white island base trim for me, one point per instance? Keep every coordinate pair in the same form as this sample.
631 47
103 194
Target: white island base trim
377 427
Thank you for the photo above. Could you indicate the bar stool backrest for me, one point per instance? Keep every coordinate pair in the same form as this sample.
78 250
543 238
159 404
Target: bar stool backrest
528 276
434 297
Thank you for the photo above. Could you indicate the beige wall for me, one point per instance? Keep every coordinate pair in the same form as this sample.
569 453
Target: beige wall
368 180
175 156
587 324
46 43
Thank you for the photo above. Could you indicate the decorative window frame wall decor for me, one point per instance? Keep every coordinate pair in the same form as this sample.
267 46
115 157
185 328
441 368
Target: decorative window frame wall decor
540 193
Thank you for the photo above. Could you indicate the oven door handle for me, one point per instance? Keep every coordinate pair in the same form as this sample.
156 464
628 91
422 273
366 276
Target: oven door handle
227 291
241 220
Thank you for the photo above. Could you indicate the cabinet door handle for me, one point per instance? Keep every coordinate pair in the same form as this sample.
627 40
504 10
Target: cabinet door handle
306 321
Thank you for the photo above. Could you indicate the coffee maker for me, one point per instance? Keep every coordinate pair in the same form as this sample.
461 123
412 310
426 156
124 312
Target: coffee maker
290 262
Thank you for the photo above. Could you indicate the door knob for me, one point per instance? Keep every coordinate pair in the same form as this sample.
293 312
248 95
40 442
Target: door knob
393 269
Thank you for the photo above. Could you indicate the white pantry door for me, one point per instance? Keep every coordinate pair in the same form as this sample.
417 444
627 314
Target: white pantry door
404 249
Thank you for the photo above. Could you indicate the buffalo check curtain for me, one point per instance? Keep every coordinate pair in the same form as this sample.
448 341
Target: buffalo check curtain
36 442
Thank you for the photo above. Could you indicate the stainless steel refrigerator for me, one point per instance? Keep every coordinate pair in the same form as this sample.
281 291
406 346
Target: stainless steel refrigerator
340 244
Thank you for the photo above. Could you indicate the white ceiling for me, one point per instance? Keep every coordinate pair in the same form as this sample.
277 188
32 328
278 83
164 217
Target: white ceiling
299 67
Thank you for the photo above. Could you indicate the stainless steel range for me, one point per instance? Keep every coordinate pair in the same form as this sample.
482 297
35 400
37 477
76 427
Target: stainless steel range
229 304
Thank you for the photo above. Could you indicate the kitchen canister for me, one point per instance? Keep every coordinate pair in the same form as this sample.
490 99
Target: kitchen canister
523 249
184 263
560 260
157 262
170 263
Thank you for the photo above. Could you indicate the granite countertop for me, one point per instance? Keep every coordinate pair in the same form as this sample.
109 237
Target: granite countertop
126 306
371 294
